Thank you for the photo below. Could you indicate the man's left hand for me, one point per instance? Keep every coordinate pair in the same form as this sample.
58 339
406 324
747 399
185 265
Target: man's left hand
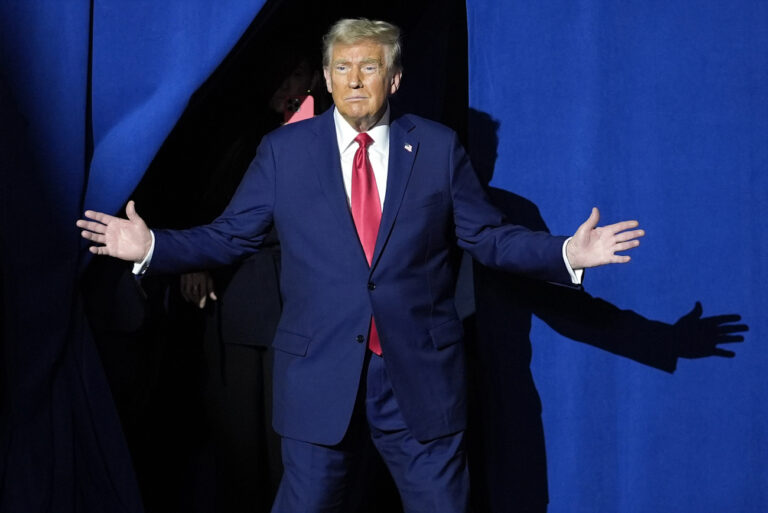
592 246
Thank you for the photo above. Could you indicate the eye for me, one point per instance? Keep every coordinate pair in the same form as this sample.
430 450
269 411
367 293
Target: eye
370 68
341 68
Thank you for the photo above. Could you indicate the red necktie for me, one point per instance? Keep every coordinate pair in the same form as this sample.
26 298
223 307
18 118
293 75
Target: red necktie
366 211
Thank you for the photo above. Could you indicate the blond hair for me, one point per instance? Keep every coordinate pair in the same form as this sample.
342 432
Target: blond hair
354 30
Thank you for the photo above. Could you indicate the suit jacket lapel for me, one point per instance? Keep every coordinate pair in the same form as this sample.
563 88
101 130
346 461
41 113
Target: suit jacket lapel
403 147
325 159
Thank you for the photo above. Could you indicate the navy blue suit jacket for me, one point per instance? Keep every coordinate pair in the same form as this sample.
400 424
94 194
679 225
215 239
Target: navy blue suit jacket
434 203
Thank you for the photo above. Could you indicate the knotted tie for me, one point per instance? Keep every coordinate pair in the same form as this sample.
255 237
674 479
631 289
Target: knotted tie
366 212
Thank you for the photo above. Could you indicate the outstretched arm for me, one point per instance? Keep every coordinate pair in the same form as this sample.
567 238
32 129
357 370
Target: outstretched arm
126 239
592 246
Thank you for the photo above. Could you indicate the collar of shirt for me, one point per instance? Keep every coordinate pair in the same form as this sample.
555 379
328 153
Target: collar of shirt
378 151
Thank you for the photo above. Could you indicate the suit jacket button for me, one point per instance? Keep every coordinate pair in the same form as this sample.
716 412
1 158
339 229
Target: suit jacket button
360 339
371 285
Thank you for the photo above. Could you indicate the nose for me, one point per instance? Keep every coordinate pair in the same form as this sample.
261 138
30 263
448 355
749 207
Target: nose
354 79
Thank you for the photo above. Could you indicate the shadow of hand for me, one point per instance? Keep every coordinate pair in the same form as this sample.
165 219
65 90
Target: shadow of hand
699 337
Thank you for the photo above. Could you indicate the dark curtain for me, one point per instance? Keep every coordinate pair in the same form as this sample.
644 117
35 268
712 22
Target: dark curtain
88 92
653 110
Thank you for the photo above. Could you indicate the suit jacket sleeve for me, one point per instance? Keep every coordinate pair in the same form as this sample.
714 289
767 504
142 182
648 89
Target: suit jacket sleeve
484 232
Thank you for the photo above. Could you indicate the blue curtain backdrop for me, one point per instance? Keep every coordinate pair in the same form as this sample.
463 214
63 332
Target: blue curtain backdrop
654 110
88 92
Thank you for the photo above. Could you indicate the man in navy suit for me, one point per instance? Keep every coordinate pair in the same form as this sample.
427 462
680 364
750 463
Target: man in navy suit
369 343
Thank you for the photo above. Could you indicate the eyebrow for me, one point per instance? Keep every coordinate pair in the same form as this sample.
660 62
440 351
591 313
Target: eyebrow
363 61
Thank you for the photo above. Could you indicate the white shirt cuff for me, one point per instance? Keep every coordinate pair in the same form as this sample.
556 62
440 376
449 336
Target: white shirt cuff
577 275
140 268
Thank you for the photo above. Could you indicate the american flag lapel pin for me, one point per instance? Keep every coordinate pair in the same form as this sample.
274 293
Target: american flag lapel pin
408 147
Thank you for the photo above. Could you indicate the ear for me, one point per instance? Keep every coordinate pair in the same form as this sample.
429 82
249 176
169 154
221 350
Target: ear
394 82
328 83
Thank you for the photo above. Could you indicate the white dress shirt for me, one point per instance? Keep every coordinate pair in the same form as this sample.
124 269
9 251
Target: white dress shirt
378 152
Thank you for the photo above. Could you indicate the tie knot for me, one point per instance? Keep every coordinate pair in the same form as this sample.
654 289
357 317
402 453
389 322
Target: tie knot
363 139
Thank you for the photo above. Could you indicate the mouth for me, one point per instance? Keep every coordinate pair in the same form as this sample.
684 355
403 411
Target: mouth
355 98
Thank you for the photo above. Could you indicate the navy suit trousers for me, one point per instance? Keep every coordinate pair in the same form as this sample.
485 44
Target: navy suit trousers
430 476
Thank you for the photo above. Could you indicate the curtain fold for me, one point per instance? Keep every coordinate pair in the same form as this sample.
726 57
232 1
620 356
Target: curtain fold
88 92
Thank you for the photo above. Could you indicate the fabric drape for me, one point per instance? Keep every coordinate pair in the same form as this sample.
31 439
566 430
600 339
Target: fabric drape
656 111
88 92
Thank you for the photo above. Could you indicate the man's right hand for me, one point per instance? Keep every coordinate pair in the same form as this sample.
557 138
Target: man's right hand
126 239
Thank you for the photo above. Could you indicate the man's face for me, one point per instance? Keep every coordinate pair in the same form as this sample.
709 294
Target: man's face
359 82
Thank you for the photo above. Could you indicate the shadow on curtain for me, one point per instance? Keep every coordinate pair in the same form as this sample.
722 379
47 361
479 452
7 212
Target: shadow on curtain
658 111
